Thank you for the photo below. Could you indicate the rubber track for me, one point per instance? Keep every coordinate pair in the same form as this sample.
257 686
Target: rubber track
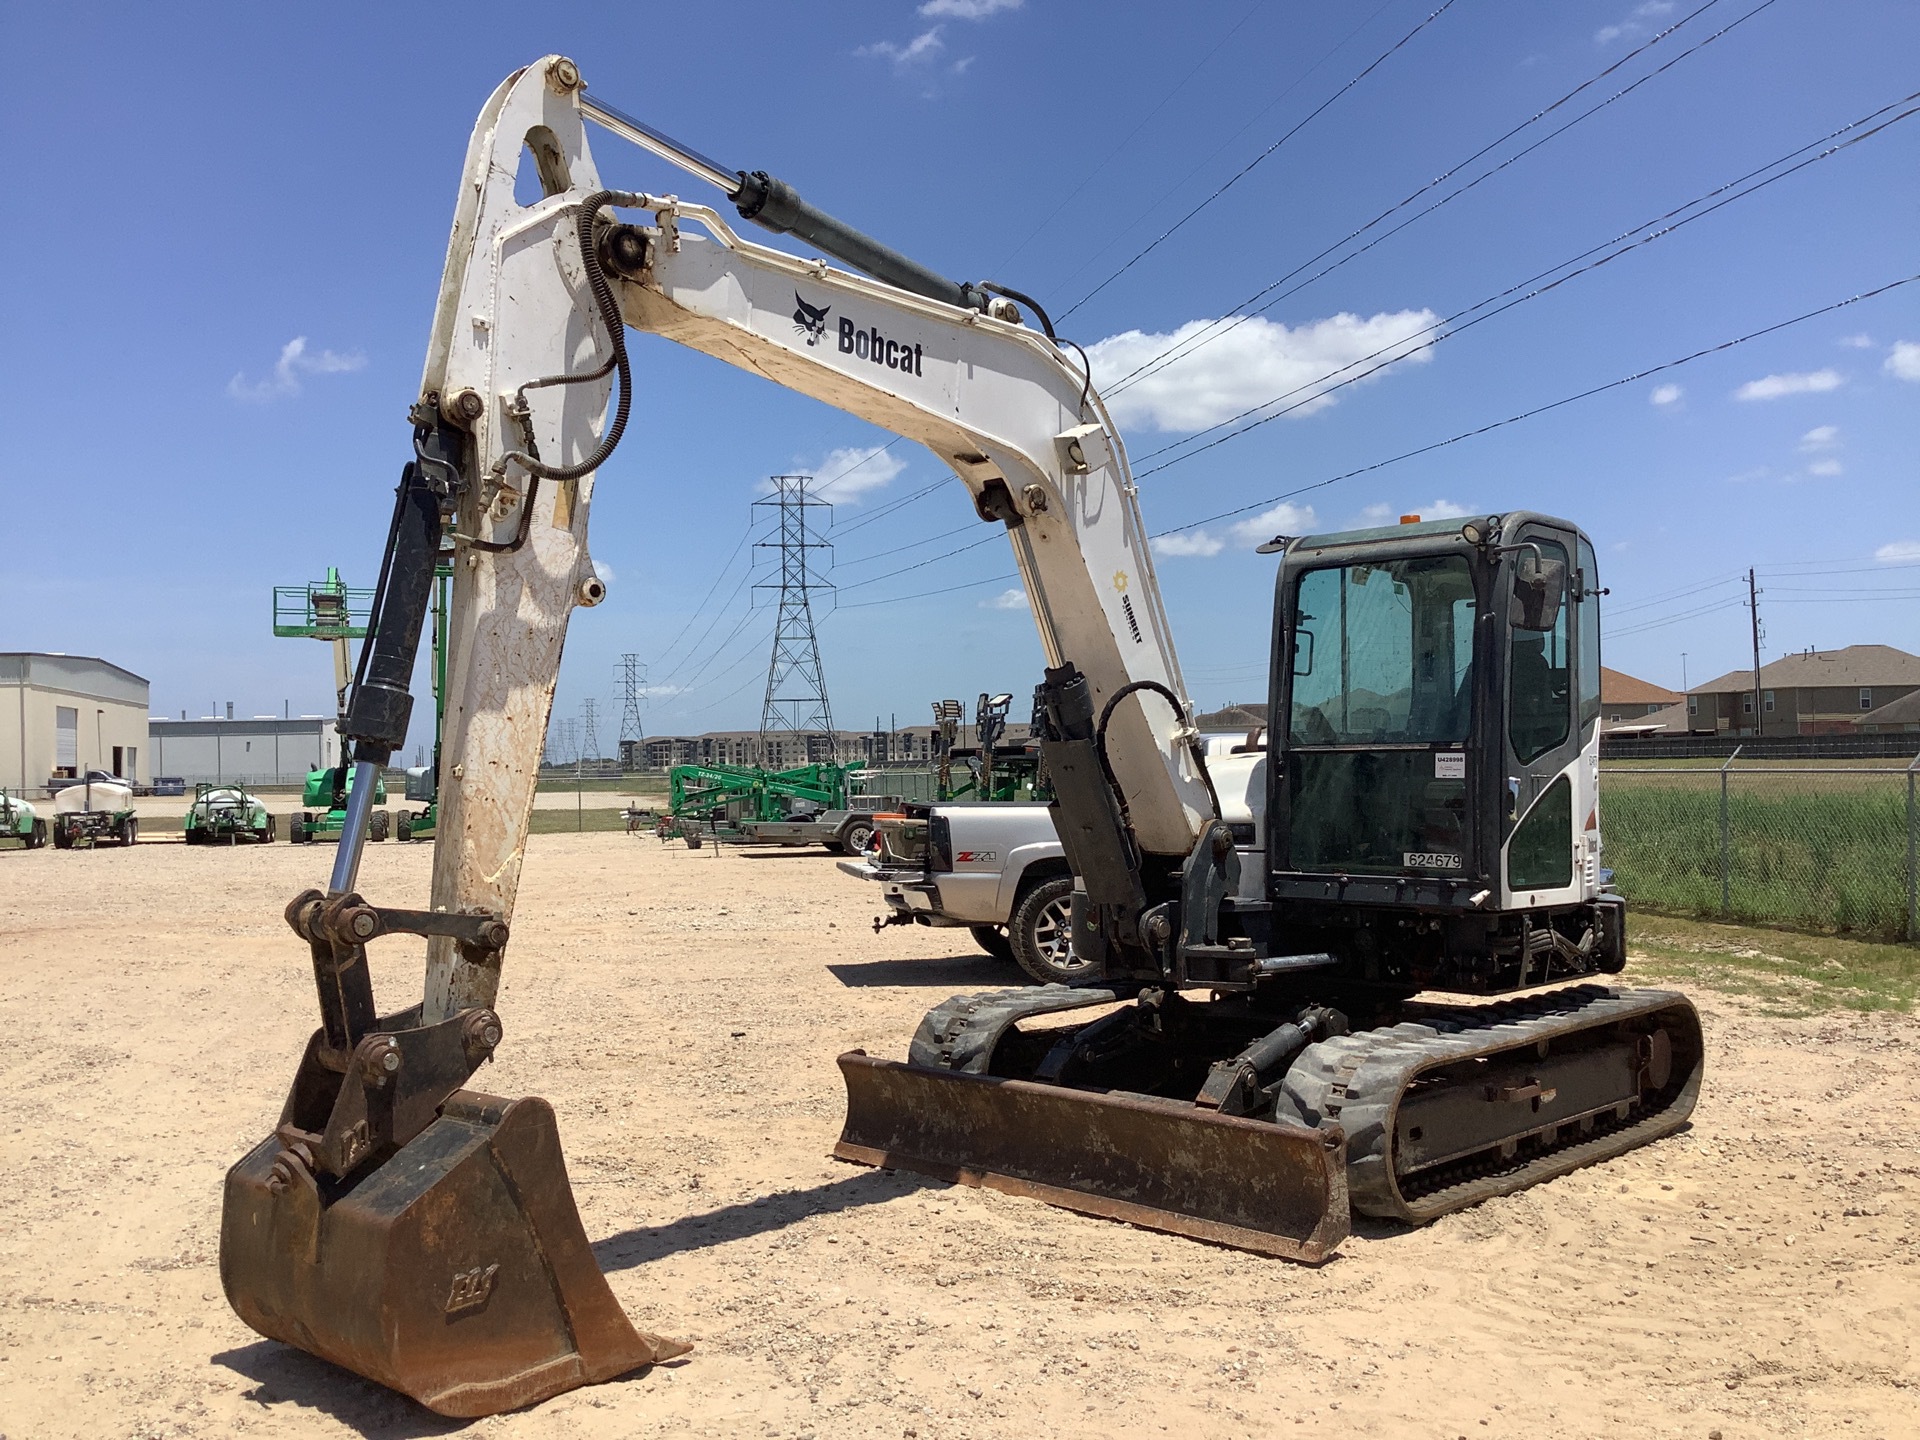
1358 1080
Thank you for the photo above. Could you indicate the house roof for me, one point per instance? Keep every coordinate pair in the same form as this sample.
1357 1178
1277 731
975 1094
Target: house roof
1671 720
1863 665
1619 688
1904 711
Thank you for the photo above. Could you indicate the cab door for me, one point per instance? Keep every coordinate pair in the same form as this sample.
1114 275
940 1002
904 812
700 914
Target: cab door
1548 787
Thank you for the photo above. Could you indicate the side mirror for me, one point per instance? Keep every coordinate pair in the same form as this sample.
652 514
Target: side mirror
1303 652
1539 589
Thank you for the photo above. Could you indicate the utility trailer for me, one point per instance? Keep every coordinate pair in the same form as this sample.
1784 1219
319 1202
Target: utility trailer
227 813
19 822
94 812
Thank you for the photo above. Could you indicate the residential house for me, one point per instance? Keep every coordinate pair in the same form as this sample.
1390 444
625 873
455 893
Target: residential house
1813 692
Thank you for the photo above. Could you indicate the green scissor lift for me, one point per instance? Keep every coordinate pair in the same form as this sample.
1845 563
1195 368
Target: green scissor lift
327 610
423 782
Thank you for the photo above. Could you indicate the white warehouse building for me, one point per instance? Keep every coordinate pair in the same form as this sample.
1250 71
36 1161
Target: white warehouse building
250 750
66 713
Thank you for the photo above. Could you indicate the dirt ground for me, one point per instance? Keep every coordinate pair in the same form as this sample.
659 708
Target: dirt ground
1757 1275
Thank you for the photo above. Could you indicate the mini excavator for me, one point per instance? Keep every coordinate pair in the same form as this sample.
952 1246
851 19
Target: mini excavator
1250 1058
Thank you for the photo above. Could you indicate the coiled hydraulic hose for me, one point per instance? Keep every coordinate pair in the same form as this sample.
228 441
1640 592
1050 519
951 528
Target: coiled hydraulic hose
1194 747
610 316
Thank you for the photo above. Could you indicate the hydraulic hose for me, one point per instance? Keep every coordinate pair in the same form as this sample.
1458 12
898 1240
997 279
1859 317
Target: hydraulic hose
1194 747
610 316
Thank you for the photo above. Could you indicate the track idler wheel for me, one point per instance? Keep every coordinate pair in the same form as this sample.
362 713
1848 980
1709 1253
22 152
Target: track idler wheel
456 1271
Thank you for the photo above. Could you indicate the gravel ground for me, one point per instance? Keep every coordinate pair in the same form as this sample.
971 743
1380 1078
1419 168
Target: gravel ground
1757 1275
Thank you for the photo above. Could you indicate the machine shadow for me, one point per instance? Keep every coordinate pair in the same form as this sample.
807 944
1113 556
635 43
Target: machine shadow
969 972
754 1217
282 1375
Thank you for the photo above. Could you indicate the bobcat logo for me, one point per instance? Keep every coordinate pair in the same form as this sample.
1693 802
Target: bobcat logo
809 321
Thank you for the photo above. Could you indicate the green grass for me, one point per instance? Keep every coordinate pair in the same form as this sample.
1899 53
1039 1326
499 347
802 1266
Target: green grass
1824 852
1786 973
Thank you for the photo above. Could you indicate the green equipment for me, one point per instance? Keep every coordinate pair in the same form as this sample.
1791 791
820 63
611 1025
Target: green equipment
742 793
19 822
987 769
226 812
423 781
327 610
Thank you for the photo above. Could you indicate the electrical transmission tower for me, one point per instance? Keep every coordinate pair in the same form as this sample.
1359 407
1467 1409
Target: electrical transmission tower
633 683
590 742
796 699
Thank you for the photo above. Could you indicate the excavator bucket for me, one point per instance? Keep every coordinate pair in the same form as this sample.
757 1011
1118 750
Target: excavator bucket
1279 1189
456 1272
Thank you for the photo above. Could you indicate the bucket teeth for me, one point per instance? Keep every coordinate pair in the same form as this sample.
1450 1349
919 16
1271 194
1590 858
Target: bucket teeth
456 1272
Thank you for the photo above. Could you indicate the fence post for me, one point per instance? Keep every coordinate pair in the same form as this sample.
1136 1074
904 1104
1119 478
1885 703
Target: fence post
1913 858
1726 902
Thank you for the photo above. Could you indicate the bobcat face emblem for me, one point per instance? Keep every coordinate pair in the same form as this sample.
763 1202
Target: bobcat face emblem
808 320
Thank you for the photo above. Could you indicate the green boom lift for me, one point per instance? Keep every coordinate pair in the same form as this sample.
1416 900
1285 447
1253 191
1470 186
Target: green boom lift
328 610
423 781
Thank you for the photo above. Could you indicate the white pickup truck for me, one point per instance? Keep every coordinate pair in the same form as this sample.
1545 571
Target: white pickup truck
994 868
997 869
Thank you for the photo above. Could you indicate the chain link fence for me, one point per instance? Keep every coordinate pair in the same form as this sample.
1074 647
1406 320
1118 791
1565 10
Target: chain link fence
1830 847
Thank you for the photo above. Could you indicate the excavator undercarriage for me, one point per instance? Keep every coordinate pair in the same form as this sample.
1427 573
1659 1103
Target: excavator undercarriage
1158 1114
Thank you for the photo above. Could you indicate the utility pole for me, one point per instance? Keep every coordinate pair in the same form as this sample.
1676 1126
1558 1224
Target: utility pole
1753 604
796 696
633 684
590 742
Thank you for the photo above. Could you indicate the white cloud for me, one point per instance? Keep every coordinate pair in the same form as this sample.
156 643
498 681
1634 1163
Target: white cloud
850 472
1825 469
1188 542
1666 394
1282 519
1636 23
1246 367
969 9
1013 598
1772 387
1821 437
1899 552
604 571
1903 361
1857 342
294 362
923 46
963 64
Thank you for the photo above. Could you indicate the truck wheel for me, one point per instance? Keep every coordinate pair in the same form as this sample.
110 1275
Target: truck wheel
993 940
129 831
857 836
403 827
39 836
296 830
62 838
1041 932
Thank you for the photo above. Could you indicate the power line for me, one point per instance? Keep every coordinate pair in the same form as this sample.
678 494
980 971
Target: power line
1203 336
1246 169
1511 419
1166 99
1622 244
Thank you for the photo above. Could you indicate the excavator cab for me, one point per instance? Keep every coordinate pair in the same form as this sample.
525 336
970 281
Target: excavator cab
1434 751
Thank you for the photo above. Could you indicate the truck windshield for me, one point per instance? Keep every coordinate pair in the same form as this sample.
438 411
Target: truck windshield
1382 698
1383 652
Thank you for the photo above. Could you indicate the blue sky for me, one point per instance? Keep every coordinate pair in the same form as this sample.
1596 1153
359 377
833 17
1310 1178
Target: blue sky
224 234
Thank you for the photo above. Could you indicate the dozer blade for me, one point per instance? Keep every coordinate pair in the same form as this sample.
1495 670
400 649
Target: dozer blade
456 1272
1279 1189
